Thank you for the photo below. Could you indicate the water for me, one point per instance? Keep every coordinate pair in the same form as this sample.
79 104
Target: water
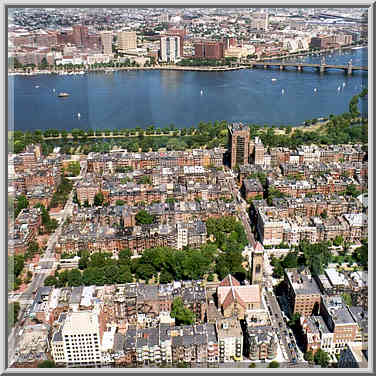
141 98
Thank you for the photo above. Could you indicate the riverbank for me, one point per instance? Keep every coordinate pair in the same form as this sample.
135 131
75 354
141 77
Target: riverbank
80 71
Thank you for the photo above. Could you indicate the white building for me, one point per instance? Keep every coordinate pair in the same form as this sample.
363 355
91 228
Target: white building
170 49
77 343
230 340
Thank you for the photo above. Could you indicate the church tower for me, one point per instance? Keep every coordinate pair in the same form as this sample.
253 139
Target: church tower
257 264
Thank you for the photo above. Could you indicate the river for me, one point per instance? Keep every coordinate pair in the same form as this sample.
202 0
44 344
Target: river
140 98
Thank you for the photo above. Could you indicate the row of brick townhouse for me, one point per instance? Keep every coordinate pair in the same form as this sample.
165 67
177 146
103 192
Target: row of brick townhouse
95 237
196 157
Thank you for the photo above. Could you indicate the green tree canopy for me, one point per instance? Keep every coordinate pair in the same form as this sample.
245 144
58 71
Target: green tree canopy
182 315
321 358
144 218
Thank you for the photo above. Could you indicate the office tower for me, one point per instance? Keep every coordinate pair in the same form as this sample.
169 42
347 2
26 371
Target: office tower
106 38
239 144
80 35
170 49
127 40
209 49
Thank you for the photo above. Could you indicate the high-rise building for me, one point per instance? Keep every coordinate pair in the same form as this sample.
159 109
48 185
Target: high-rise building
239 144
77 342
127 40
80 35
209 49
106 38
170 49
178 33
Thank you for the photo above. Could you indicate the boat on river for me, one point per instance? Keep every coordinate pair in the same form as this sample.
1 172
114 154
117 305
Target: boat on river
63 95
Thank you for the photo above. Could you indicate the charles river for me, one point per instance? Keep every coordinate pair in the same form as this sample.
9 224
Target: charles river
127 99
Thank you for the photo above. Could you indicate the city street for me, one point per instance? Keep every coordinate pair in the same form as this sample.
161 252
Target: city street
45 266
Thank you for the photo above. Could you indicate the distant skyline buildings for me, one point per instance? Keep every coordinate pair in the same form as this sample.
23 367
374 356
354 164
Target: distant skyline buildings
127 40
106 38
170 49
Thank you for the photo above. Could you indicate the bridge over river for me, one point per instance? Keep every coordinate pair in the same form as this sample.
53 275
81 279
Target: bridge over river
349 68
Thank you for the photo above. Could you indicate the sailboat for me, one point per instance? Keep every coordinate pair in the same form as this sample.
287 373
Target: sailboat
339 88
53 90
201 92
283 91
315 89
344 84
78 115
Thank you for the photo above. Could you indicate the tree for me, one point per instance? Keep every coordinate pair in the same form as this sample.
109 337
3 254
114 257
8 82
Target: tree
144 218
98 199
145 180
50 281
347 298
73 168
182 315
145 272
324 215
273 364
252 365
21 203
119 203
338 240
352 191
13 311
47 364
74 278
308 356
321 358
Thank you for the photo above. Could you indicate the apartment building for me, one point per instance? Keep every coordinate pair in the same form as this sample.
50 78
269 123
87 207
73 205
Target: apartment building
170 49
260 343
303 292
77 343
339 321
230 340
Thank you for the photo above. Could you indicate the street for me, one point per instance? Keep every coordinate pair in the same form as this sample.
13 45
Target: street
45 266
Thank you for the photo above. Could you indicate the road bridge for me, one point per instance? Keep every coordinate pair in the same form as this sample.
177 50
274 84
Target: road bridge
349 68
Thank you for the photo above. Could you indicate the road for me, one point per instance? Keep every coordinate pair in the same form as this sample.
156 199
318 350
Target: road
44 268
284 335
241 207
